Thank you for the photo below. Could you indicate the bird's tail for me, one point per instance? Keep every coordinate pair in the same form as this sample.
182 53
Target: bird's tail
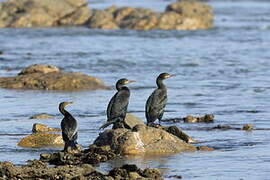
108 123
71 145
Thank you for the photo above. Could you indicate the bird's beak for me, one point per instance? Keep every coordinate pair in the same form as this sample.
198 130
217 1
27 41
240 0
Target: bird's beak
131 81
172 75
70 102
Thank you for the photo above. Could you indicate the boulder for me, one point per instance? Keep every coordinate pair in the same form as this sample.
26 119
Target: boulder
41 116
42 140
47 77
102 19
195 15
131 120
43 13
142 140
40 128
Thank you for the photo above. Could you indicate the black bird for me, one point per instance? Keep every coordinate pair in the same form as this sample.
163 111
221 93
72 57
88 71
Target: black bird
69 127
156 102
117 107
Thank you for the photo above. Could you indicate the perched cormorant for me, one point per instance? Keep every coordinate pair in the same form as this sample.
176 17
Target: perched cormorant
156 102
69 127
117 107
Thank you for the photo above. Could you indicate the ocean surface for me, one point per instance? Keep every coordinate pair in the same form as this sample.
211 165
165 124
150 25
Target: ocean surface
223 71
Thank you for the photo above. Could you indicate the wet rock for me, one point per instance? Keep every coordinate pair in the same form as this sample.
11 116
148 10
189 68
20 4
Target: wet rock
205 148
41 116
45 13
175 176
93 155
40 171
132 172
46 77
247 127
178 133
222 127
208 118
40 128
142 140
42 140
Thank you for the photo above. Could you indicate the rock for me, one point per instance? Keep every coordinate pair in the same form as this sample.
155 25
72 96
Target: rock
102 19
39 170
247 127
208 118
43 13
184 15
142 140
195 15
42 140
41 116
39 68
92 155
39 128
178 133
131 121
205 148
132 172
36 169
46 77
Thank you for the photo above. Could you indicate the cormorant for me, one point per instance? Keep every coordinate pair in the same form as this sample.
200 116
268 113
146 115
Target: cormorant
117 107
156 102
69 127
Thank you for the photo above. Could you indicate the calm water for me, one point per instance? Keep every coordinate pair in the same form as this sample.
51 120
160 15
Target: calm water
224 71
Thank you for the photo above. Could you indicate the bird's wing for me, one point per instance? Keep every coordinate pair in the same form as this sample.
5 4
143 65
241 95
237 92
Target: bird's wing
156 103
118 105
69 126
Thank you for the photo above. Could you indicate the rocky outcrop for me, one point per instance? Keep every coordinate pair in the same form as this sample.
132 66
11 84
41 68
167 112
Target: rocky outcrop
42 140
43 13
36 169
184 15
41 128
207 118
142 140
41 116
47 77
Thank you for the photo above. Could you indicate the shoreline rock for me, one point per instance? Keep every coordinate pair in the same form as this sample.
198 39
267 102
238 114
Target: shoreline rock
36 169
183 15
207 118
41 116
48 77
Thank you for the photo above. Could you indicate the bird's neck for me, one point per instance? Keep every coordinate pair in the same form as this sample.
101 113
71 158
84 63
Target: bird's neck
160 84
63 111
120 87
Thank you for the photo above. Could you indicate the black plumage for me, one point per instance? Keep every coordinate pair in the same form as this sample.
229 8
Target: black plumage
155 104
69 127
117 107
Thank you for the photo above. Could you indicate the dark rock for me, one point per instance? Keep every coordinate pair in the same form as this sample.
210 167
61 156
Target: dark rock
175 176
92 155
47 77
180 134
222 127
